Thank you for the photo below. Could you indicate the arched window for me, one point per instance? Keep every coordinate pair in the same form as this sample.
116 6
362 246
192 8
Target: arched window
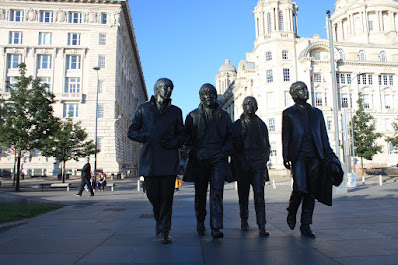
269 22
383 56
361 55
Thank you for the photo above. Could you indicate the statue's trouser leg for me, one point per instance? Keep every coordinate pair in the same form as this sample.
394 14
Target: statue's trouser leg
160 190
258 181
243 193
217 178
201 184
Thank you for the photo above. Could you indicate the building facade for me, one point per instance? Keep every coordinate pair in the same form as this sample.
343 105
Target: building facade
61 42
365 58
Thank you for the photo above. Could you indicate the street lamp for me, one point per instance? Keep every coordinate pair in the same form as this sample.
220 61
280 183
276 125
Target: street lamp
334 86
96 68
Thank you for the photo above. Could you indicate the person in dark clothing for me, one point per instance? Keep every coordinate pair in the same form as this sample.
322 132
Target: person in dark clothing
86 176
158 125
305 145
209 141
250 157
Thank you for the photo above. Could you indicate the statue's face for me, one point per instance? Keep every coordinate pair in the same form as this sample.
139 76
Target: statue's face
302 93
250 106
164 91
208 98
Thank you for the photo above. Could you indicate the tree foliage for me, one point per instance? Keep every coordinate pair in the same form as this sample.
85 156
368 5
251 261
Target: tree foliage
365 134
26 118
67 143
394 140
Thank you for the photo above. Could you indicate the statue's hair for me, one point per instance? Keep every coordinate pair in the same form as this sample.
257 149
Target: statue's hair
247 99
207 87
162 81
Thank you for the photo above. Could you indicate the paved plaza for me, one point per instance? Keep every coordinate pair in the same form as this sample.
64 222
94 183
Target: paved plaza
117 228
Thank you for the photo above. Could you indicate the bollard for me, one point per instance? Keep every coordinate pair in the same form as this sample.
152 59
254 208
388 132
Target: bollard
363 180
291 183
273 184
236 185
380 180
138 185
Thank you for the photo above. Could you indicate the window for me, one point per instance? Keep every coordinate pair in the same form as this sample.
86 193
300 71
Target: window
391 79
100 86
383 57
271 125
317 78
268 56
45 38
361 56
370 79
286 74
72 62
15 37
72 85
386 80
44 62
342 78
370 24
285 54
392 150
273 152
14 60
101 61
316 55
270 77
71 110
318 99
11 81
75 17
387 101
73 38
288 99
101 111
344 100
103 18
366 101
348 78
102 39
47 81
329 123
281 25
269 22
17 15
46 16
363 79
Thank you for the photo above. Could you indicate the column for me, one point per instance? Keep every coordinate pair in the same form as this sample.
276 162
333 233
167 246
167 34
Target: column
276 20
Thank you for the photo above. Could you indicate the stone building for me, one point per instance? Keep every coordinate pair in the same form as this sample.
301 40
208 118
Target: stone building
61 42
365 56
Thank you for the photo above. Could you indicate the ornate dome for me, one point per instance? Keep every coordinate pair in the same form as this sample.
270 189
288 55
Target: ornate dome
227 67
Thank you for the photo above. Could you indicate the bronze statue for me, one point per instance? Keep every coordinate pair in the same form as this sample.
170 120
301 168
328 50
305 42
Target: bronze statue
250 156
158 125
209 141
307 152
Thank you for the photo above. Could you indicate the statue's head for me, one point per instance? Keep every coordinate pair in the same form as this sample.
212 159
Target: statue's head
208 95
163 89
250 105
299 91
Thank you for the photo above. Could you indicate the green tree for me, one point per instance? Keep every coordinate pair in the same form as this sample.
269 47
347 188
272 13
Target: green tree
26 116
365 134
67 143
394 140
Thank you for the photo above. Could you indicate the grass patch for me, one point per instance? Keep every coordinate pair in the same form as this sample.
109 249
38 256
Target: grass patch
10 213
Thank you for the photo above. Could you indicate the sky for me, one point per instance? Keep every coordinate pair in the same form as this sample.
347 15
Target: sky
188 41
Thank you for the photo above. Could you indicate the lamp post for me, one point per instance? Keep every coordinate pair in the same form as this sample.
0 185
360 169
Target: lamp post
96 68
334 86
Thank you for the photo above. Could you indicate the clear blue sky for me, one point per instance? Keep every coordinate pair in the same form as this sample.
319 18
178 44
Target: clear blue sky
188 41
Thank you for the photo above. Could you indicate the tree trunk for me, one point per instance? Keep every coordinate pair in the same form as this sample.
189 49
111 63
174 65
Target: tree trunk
18 170
63 171
14 172
361 167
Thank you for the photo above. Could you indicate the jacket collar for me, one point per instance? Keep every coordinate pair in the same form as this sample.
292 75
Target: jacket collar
295 107
201 108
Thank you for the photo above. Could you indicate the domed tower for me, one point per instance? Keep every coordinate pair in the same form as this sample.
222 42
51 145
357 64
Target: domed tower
366 21
226 75
275 19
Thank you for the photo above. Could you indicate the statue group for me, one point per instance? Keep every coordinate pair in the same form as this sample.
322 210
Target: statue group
211 138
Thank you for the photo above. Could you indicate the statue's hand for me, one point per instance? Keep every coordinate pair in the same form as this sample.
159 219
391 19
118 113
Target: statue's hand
287 164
